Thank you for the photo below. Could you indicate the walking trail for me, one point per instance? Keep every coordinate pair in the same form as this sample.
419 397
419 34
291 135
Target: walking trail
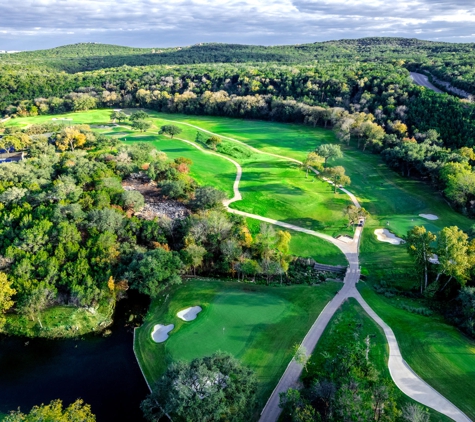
402 374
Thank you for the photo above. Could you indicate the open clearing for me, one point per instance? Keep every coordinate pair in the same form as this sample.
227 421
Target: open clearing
261 325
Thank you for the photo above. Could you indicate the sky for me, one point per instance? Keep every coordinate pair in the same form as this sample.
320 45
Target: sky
38 24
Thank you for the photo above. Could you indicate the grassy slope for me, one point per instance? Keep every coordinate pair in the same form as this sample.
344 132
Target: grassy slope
259 339
383 192
341 328
437 351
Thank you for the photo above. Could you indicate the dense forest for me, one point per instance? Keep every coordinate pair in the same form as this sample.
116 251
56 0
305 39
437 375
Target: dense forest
448 61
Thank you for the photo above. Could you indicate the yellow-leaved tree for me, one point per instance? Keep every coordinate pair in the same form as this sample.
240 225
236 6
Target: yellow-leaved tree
70 137
6 302
54 411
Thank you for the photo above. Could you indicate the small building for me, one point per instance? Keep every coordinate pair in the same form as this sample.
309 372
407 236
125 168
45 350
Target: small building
9 157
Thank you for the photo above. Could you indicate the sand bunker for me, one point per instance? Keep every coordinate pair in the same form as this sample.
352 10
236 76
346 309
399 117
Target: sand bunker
61 118
429 216
384 235
160 332
189 314
434 259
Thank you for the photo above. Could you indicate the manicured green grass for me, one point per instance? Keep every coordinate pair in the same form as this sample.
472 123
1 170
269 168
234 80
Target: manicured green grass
261 325
351 318
230 322
437 351
382 191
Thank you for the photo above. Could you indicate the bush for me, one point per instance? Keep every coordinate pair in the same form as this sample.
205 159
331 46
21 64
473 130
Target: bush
235 151
173 189
206 198
132 200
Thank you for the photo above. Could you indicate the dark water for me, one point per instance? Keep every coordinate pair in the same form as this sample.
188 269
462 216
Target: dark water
101 371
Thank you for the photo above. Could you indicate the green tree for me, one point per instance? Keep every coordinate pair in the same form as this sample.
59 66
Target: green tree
213 388
329 152
153 271
337 176
419 246
54 412
213 142
173 189
171 130
207 197
120 116
355 214
296 407
84 102
132 200
138 115
141 125
301 355
455 255
194 254
312 160
6 302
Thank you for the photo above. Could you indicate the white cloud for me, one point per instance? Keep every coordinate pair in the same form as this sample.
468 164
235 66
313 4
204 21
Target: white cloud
157 23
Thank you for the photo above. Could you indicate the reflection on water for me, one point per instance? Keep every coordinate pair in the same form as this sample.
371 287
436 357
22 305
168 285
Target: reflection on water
102 371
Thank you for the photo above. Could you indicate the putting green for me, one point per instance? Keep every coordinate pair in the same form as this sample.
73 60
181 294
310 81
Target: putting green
230 323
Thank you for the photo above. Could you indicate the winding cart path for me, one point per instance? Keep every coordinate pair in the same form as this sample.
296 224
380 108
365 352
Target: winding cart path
402 374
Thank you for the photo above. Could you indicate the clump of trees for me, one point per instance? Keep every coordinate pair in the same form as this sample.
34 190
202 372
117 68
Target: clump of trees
348 387
213 388
54 411
445 262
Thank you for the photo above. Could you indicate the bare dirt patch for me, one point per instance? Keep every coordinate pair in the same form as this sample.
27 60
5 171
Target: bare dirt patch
155 204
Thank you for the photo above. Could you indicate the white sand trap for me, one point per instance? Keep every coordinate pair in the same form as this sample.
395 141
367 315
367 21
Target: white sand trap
60 118
434 259
160 332
189 314
429 216
384 235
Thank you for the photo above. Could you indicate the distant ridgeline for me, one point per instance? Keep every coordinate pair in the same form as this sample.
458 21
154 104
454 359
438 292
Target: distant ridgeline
450 62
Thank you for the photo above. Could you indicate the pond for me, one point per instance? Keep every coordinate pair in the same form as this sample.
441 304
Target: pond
102 371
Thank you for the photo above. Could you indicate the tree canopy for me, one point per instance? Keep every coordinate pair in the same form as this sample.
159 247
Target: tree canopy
213 388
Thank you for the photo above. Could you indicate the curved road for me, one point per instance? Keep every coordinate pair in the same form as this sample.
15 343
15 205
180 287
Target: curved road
402 374
423 80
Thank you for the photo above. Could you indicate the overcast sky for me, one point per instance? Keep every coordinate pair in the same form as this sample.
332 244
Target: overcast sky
36 24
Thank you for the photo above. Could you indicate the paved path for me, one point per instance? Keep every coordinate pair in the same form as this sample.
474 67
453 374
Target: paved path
403 376
423 80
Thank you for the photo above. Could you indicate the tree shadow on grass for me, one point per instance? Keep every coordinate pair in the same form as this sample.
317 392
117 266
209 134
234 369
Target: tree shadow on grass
273 189
165 150
308 223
